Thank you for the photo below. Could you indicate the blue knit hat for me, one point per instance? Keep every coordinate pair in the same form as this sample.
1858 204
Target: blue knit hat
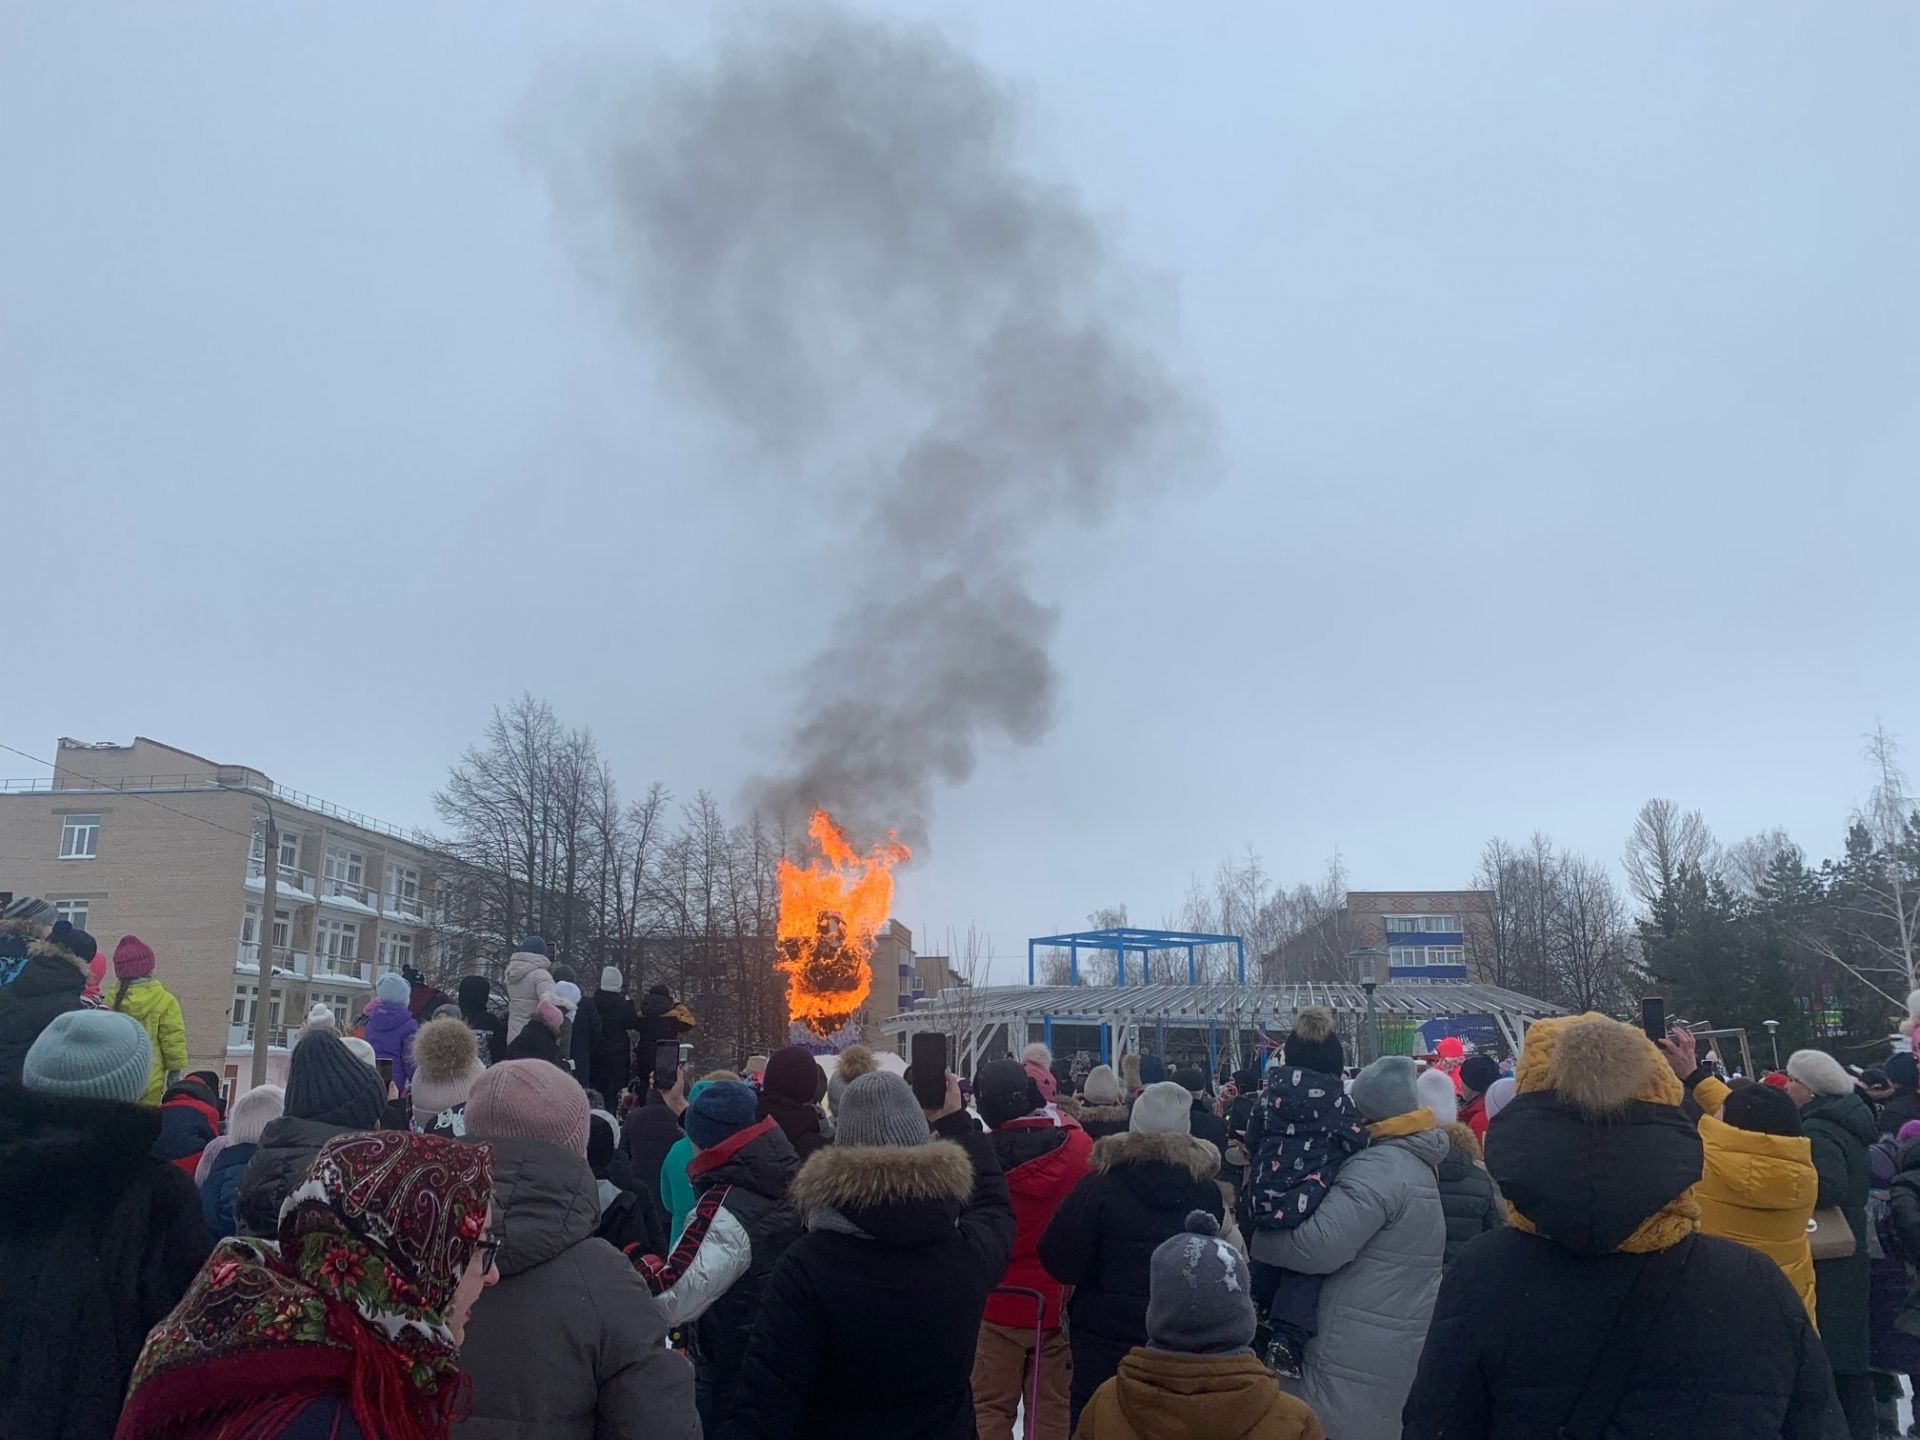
393 988
533 945
720 1111
90 1054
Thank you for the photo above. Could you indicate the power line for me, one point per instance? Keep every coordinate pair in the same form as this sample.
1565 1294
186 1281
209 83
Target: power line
135 794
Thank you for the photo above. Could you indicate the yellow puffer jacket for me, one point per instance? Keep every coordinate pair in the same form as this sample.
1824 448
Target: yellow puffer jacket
153 1005
1757 1189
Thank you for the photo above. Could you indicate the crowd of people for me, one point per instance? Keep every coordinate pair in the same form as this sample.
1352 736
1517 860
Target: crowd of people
487 1214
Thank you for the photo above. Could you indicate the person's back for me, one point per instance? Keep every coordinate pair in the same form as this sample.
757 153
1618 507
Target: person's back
475 998
1597 1162
48 983
567 1344
98 1239
329 1090
390 1028
1467 1195
1103 1109
139 994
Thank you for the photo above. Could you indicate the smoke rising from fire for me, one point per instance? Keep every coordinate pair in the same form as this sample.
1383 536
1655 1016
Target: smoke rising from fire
826 224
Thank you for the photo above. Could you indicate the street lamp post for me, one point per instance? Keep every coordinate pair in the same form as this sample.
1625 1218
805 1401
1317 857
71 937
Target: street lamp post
263 997
1772 1027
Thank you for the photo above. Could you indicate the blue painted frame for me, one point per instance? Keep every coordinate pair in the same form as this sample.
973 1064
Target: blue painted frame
1124 941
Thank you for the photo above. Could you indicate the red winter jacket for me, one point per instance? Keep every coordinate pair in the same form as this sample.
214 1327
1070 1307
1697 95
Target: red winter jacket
1473 1115
1045 1155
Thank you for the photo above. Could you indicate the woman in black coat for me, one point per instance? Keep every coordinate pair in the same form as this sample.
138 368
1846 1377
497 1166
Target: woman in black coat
1142 1188
871 1318
615 1022
49 984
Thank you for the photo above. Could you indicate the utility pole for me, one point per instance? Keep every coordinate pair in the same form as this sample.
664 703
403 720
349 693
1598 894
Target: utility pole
263 1003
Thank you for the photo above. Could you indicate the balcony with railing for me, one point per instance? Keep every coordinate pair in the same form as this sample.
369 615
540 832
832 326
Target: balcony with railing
349 895
296 887
290 964
240 1037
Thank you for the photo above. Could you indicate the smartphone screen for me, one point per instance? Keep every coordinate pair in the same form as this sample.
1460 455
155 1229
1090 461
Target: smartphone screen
386 1070
929 1064
666 1064
1653 1018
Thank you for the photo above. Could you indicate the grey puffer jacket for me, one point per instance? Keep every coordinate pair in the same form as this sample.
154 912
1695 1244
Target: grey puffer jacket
567 1344
1380 1238
1467 1192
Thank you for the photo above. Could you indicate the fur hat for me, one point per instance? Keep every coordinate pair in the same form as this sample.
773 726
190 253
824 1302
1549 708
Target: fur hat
1102 1087
1313 1043
1200 1294
253 1112
879 1109
1163 1108
1130 1072
392 987
1436 1093
854 1061
1820 1072
1386 1088
1596 1064
446 1062
528 1100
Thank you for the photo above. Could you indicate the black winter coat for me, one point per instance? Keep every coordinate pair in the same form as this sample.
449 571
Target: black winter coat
1467 1196
661 1018
757 1168
801 1122
1304 1126
870 1320
48 985
1521 1317
1898 1111
98 1241
648 1132
287 1147
1102 1238
1207 1126
1841 1128
489 1034
614 1020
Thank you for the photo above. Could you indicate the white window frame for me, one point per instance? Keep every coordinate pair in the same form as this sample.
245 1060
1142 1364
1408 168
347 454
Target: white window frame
74 912
246 996
79 837
1407 957
391 944
335 940
403 883
1424 925
337 1001
351 865
289 847
282 928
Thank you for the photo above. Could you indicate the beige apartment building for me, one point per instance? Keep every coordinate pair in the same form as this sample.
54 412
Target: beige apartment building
150 840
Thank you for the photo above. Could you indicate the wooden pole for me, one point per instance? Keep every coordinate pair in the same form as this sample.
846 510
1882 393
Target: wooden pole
263 1003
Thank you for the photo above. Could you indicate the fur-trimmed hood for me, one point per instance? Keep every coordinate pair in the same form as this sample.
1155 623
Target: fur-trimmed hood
1194 1159
50 950
899 1195
1597 1064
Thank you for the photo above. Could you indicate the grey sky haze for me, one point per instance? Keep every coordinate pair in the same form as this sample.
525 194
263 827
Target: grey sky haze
1564 367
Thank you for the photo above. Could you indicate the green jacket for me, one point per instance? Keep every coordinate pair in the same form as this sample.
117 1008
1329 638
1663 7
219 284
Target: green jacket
1841 1128
153 1005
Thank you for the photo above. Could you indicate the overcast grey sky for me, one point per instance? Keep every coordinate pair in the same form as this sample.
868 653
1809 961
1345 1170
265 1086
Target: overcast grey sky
1564 364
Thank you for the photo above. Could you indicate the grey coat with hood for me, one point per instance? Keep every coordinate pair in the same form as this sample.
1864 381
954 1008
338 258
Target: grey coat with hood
567 1344
1379 1237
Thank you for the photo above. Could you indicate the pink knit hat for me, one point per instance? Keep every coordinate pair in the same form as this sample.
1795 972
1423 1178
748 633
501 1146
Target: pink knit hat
132 958
528 1100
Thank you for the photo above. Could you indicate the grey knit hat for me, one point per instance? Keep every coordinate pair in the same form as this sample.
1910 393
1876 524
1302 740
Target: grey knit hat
90 1055
879 1109
1200 1296
1388 1087
1163 1108
1102 1086
327 1083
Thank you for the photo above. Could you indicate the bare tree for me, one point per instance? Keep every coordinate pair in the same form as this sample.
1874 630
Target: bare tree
1745 863
1664 838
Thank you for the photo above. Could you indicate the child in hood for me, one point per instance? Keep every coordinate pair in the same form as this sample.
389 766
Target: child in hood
1298 1136
390 1027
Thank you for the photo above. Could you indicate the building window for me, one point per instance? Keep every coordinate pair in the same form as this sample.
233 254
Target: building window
337 942
1423 925
341 1005
403 883
289 848
1407 957
246 997
347 866
282 928
79 837
74 912
396 950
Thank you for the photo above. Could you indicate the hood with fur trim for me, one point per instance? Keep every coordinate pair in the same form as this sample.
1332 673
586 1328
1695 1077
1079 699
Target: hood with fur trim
902 1196
1194 1159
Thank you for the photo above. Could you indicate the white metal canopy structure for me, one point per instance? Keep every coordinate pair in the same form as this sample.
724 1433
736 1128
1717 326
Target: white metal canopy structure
975 1017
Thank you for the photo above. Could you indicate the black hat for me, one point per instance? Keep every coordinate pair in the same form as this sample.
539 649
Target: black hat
327 1082
1003 1091
599 1145
1192 1077
1478 1073
1313 1043
474 993
1764 1109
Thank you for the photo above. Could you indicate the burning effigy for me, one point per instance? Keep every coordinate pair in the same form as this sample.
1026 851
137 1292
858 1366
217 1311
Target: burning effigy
831 909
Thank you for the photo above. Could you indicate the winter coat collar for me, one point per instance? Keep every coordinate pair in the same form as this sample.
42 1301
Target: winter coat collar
1090 1115
57 973
1463 1152
1182 1152
66 1152
759 1158
899 1195
545 1199
1414 1122
798 1119
48 950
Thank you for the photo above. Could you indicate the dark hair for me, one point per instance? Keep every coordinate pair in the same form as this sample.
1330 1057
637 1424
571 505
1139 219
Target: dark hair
120 994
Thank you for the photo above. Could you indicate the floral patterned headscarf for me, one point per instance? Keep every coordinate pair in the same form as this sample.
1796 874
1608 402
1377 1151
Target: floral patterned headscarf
351 1303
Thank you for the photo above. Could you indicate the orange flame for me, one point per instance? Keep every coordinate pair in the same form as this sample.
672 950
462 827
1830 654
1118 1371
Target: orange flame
830 912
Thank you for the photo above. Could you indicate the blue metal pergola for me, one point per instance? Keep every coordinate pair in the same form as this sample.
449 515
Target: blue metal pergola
1123 942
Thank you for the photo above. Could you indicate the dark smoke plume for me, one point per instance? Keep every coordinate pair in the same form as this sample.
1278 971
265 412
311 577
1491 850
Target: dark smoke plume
827 227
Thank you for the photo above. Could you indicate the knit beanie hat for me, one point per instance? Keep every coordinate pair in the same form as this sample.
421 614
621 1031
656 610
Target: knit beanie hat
532 945
1500 1095
1037 1060
91 1055
1479 1072
1820 1072
328 1083
1386 1088
393 988
446 1062
879 1109
1102 1087
1005 1090
1903 1071
1163 1108
610 978
132 958
1436 1093
361 1050
1152 1070
792 1074
855 1061
253 1112
1313 1043
1191 1078
719 1112
321 1017
1200 1295
1763 1109
1909 1132
528 1100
